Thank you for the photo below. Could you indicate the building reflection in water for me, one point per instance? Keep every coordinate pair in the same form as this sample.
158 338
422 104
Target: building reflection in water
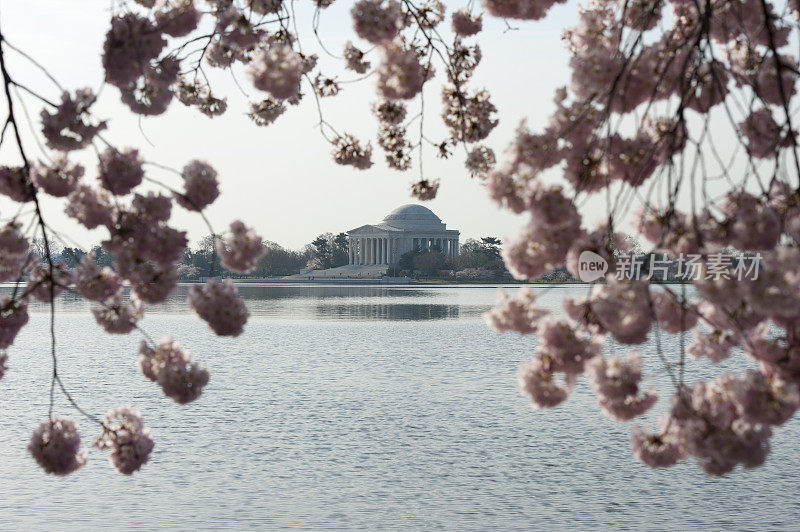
309 301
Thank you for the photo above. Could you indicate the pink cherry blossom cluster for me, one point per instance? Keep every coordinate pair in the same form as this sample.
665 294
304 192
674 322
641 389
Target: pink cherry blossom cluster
425 189
218 303
518 313
59 179
241 250
616 383
127 439
180 377
631 128
13 317
145 247
465 23
348 151
71 126
56 446
13 251
377 21
140 60
354 59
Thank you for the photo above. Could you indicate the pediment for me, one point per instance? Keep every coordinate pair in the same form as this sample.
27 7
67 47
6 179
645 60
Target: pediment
367 229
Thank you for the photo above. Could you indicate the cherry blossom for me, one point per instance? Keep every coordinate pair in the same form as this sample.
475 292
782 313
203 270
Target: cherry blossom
400 74
616 383
425 189
541 386
662 449
276 69
120 172
129 441
518 313
218 303
181 378
355 58
95 283
55 445
90 206
348 151
118 317
177 17
519 9
59 179
672 315
15 184
565 349
45 283
763 134
241 250
13 251
71 126
131 42
465 23
377 21
201 188
13 317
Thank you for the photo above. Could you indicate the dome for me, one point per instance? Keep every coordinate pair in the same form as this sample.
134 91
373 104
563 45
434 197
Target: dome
412 212
413 217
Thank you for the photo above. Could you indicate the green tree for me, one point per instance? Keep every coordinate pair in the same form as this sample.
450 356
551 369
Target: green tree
341 250
429 262
322 250
102 257
278 261
491 246
71 256
406 261
481 254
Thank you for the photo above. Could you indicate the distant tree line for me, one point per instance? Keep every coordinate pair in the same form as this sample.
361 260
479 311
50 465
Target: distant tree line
477 259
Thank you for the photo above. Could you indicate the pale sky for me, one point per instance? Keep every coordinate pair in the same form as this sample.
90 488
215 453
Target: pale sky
281 179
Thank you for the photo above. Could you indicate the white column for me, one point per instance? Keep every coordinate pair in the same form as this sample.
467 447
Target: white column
363 251
386 251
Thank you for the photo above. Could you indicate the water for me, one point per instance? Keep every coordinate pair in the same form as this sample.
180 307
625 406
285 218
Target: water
351 408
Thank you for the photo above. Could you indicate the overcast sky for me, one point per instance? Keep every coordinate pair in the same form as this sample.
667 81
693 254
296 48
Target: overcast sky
281 179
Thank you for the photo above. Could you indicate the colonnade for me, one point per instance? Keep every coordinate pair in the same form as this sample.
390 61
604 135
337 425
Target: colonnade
448 246
387 250
373 250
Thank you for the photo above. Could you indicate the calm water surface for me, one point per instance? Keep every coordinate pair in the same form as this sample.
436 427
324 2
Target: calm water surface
351 408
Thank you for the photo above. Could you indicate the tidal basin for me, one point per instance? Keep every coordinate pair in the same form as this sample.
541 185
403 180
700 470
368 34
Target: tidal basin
353 407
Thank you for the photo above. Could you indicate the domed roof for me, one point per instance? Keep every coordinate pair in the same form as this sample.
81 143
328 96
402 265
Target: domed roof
414 218
412 212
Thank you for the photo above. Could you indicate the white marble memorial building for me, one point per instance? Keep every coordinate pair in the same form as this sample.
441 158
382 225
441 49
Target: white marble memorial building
404 229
